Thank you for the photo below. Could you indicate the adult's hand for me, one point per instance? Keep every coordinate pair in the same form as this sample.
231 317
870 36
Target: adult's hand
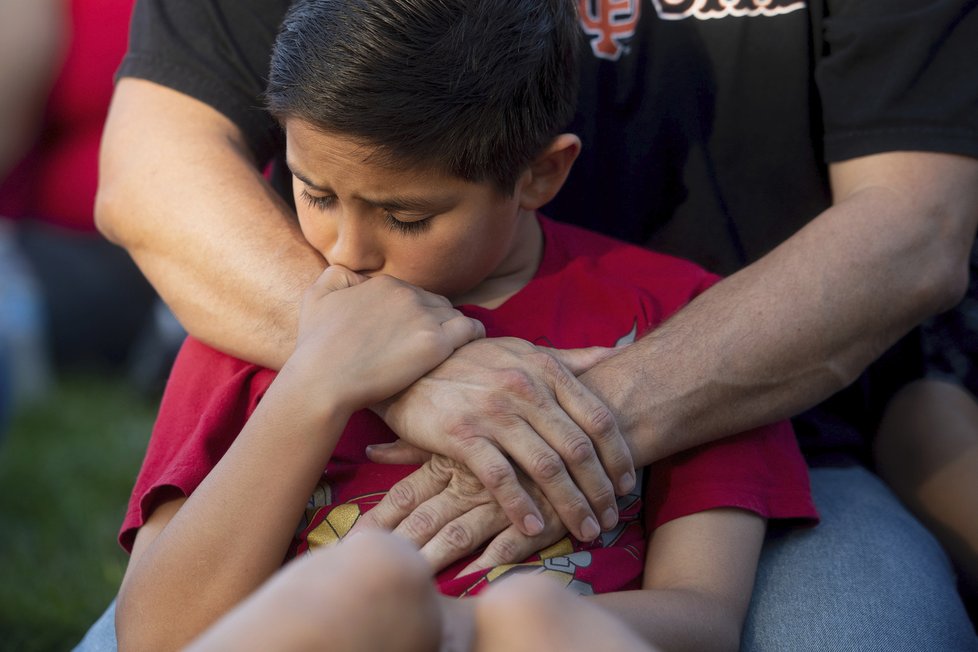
448 513
504 398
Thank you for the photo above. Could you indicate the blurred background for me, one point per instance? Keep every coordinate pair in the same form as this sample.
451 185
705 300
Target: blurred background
84 341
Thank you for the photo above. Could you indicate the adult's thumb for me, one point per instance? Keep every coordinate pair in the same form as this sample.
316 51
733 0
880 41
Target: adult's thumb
579 361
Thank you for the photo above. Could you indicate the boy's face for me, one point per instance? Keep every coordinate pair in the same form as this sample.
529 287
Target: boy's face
436 231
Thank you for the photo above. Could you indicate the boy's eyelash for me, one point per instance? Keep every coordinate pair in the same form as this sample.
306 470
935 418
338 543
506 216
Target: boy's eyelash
413 227
317 202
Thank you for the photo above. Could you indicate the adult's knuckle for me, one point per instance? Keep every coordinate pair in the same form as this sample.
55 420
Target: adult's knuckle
421 523
604 495
600 423
403 496
546 466
496 474
579 450
458 537
516 381
578 506
551 366
468 486
441 466
464 431
504 550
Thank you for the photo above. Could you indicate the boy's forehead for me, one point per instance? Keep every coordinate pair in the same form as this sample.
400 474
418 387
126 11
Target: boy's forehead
310 149
336 164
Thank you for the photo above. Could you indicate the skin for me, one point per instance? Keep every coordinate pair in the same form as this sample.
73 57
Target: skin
184 571
365 334
466 241
535 390
769 341
927 450
352 597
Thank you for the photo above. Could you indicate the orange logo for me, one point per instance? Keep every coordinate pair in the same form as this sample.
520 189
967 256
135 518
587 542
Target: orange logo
609 23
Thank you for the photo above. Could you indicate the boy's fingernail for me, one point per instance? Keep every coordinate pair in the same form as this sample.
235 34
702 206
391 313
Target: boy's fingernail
590 529
532 525
609 519
627 483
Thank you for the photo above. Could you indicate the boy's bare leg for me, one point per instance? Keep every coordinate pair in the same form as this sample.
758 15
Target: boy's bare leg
532 613
927 450
373 592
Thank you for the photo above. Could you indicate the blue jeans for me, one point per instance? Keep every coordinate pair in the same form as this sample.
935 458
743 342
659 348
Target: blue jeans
869 577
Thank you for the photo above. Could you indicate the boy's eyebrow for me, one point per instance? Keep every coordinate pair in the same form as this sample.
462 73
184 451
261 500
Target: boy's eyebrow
406 203
301 177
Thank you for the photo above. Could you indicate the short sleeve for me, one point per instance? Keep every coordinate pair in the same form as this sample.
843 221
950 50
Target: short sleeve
216 51
208 399
761 471
898 75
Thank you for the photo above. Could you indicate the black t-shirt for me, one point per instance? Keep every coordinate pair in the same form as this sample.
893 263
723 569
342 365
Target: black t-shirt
706 124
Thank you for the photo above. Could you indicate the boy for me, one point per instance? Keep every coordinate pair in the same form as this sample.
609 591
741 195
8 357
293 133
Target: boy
423 135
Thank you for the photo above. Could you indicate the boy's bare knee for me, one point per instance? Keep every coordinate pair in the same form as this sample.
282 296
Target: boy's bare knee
383 561
525 597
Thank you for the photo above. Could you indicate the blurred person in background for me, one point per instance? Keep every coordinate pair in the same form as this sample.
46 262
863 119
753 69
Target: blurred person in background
31 33
70 299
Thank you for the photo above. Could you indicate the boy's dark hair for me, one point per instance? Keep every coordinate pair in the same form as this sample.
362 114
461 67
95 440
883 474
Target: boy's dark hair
476 88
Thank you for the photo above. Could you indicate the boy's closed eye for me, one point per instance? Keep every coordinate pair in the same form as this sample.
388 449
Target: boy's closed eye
403 223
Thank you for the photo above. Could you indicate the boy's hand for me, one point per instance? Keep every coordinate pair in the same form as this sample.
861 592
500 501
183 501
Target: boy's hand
371 338
504 398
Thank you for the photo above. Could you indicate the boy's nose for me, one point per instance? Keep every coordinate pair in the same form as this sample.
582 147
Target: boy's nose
356 250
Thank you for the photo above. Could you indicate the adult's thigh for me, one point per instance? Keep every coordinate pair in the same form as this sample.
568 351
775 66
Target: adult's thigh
868 577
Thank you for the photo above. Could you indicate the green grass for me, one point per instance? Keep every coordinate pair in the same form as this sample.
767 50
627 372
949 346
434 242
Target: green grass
67 465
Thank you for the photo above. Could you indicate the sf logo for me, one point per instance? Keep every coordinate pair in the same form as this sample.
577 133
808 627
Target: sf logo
609 24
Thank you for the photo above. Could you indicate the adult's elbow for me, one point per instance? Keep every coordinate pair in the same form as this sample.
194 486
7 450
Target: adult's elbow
108 211
944 278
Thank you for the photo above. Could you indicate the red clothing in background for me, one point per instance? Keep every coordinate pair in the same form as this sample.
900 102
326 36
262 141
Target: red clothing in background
56 181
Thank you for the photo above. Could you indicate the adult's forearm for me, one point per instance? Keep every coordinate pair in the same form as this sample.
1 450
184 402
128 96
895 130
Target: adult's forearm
179 190
801 323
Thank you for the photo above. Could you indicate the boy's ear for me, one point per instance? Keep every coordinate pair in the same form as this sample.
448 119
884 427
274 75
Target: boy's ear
548 171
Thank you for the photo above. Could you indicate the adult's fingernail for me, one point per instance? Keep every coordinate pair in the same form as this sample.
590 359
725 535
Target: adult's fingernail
627 483
610 518
532 525
590 529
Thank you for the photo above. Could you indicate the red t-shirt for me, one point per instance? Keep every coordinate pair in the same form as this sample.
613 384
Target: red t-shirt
589 290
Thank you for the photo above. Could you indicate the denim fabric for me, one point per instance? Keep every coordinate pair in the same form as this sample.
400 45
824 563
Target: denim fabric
101 636
868 578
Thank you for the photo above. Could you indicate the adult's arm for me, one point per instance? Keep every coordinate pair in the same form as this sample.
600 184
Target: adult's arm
804 321
180 190
762 345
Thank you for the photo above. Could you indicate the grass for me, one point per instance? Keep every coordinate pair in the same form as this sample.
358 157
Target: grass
67 465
